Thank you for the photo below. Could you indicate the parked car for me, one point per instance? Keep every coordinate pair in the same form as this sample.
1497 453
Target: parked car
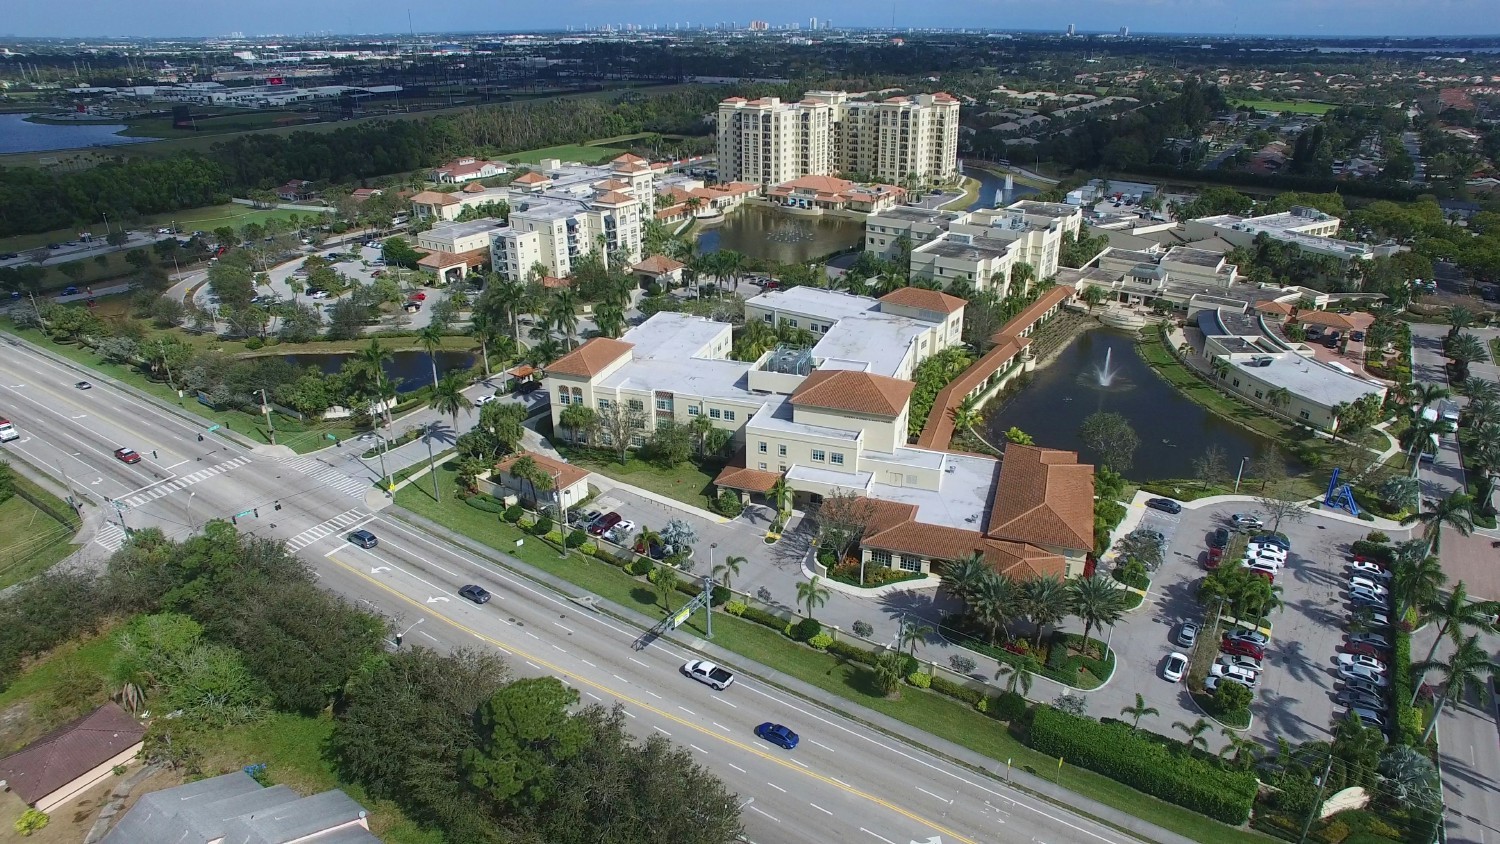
1254 637
1187 634
1245 521
1357 336
1238 673
363 539
583 518
1236 648
1243 661
1364 687
484 400
1376 639
1370 616
1370 570
1272 539
1367 650
1359 697
1211 682
1153 535
419 296
477 594
1365 673
1358 582
1366 597
1369 717
127 455
604 523
1363 661
620 532
1268 572
778 735
1166 505
1219 538
1174 668
1374 562
708 674
1214 558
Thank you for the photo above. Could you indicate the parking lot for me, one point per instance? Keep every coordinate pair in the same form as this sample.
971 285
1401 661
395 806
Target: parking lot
1294 698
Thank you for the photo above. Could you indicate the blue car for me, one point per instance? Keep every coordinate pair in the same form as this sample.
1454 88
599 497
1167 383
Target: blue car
777 734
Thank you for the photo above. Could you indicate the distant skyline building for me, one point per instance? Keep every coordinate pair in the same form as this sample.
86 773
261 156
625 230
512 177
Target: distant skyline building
812 23
1124 32
1071 31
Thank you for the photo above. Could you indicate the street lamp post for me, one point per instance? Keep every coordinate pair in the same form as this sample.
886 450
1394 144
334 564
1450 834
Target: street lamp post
431 465
402 634
562 511
188 508
1239 474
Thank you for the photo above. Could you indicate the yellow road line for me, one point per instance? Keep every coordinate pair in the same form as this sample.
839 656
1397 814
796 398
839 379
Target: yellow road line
941 830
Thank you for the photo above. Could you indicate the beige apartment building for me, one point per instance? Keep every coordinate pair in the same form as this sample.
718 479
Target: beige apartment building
768 142
981 247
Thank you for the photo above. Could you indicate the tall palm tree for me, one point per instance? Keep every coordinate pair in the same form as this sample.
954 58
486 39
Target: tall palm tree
1096 601
373 358
1416 579
1279 397
1221 368
1241 751
506 295
995 602
1424 394
1045 600
1409 775
1459 318
913 632
812 595
781 495
1139 711
1020 675
482 330
563 313
725 572
1457 617
1467 670
966 413
448 397
1194 733
964 576
1455 511
610 318
1464 350
431 339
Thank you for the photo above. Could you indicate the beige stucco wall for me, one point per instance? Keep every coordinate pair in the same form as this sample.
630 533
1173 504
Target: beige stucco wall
799 450
879 434
88 780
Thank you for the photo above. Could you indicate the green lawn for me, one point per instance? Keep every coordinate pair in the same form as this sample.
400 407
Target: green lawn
688 483
927 711
31 540
206 218
566 152
1292 106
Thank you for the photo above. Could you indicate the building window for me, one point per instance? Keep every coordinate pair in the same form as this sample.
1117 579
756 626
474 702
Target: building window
713 413
1304 414
604 404
818 456
880 557
761 466
910 563
762 448
1259 394
1236 382
637 440
635 404
563 397
692 410
663 404
781 450
836 458
792 323
728 416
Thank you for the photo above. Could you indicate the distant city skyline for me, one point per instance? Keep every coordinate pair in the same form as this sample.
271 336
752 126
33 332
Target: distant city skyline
208 18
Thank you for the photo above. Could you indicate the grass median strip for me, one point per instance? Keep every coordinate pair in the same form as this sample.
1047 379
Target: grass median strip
927 711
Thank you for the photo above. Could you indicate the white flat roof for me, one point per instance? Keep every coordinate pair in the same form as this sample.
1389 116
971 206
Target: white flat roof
880 340
964 494
471 227
1309 379
672 335
848 480
686 377
777 416
815 301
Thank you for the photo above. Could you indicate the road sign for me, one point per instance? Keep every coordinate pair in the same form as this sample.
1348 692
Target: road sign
212 428
330 436
681 616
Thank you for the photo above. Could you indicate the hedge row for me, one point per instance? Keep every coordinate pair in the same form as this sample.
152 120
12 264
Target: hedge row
1115 751
1408 728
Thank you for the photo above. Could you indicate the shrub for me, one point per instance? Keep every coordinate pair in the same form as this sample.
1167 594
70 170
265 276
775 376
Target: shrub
1375 551
255 344
1408 725
728 504
486 502
641 566
852 652
957 691
1009 706
721 595
1378 537
1118 753
30 821
735 608
962 664
821 641
1231 698
543 526
513 513
808 628
576 539
863 629
760 616
920 680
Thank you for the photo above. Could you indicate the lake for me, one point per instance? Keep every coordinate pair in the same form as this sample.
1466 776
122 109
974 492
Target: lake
17 134
990 185
1173 430
409 370
768 234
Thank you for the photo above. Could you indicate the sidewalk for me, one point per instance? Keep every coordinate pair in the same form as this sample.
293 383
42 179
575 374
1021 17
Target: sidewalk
993 770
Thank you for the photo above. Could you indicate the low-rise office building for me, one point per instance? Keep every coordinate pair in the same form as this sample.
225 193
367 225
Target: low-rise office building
982 248
455 249
466 169
1308 229
827 193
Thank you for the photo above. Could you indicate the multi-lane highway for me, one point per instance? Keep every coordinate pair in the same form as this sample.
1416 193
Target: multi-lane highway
843 783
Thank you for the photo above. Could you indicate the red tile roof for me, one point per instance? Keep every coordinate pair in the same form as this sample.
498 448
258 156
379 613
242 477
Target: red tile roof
565 474
432 197
1044 497
591 358
856 392
613 197
924 299
531 178
658 264
749 480
70 751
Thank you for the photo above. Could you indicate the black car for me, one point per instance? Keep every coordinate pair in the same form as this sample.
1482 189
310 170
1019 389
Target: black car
1166 505
1219 538
1357 336
363 539
477 594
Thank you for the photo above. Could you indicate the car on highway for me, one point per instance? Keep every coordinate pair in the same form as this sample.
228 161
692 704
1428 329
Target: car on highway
477 594
1365 673
1245 521
708 673
1237 648
1364 568
127 455
363 539
1187 634
1174 668
778 735
604 523
84 385
1219 538
1166 505
1378 640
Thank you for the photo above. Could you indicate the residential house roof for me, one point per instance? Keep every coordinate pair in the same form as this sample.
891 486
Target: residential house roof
566 474
750 480
856 392
628 158
613 197
591 358
1044 497
70 751
235 809
613 184
1343 322
1271 306
924 299
1022 561
658 265
531 178
474 187
432 197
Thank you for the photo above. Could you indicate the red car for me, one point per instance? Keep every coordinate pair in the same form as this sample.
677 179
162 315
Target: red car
1266 574
604 523
417 297
127 455
1215 556
1368 650
1237 648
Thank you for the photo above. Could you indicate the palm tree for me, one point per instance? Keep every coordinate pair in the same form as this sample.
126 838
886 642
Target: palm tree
913 632
482 330
1466 671
1045 600
1457 616
995 601
1139 711
563 313
1241 751
700 428
508 296
724 572
610 318
965 576
966 413
1455 511
373 358
647 538
448 397
888 668
1020 675
666 582
431 339
1415 581
781 496
1221 368
1279 397
1459 318
525 469
1096 601
1093 296
812 595
1464 350
1409 775
1423 395
1194 733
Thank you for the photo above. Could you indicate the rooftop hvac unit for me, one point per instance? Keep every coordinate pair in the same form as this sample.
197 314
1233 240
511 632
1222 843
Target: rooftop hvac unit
791 360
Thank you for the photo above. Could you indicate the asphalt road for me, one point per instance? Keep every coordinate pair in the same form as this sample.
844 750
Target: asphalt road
842 784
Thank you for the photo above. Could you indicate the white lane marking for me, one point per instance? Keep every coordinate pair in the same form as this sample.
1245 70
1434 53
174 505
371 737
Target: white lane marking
821 744
736 767
821 809
561 649
688 711
637 662
628 712
651 693
862 829
594 696
428 635
934 796
533 665
618 677
841 782
720 726
532 635
774 818
800 762
728 704
589 664
660 730
564 626
697 748
777 787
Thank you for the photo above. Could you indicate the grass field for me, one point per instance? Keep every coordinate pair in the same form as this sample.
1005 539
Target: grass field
206 218
31 540
1294 107
567 152
686 483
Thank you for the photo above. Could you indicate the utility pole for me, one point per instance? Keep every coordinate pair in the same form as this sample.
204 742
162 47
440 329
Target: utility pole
431 466
72 502
1239 474
265 409
1318 803
562 511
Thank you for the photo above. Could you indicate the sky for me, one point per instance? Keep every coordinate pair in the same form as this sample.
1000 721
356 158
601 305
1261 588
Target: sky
163 18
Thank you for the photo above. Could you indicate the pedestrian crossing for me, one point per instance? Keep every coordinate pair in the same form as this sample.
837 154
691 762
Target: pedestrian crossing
111 536
343 522
169 487
330 477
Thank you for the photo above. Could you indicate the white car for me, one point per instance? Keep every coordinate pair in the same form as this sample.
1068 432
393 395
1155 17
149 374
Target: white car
708 673
1367 584
1362 568
1365 673
1376 600
1242 660
319 294
1237 673
1266 552
1362 661
484 400
1373 616
620 532
1211 682
1174 668
1245 521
